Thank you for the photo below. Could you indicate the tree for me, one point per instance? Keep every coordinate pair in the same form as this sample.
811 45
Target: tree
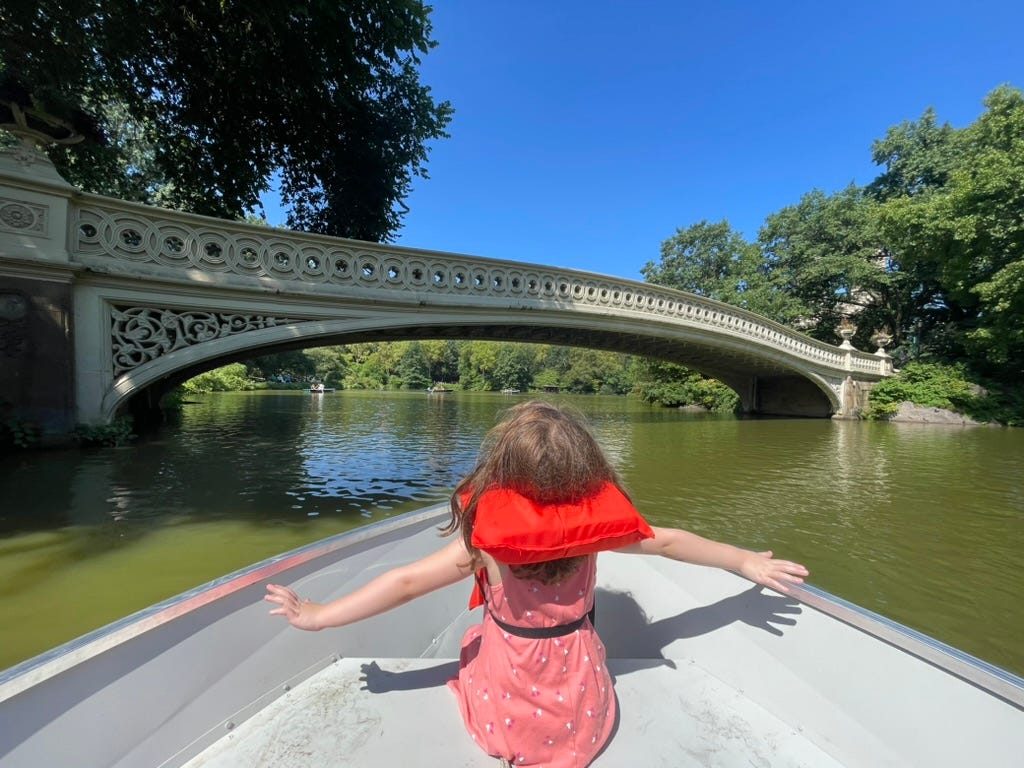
592 371
513 368
229 378
917 157
442 358
374 364
413 369
296 363
331 364
964 240
477 361
672 385
704 259
987 206
224 95
827 257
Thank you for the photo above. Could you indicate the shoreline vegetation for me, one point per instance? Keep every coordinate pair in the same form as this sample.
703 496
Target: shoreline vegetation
919 393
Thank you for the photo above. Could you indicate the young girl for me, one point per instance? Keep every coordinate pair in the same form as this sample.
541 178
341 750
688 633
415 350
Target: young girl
542 499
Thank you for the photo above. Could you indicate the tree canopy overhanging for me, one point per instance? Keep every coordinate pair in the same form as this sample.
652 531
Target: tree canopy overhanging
198 105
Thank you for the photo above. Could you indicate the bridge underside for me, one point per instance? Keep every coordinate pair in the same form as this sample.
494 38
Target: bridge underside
764 387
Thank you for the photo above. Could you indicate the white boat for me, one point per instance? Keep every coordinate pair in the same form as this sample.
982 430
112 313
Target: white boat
708 670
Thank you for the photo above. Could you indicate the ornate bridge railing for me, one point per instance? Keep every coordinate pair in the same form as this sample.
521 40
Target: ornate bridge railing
111 236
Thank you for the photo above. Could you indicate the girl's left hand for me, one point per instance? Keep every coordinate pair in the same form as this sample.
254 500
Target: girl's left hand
299 613
762 568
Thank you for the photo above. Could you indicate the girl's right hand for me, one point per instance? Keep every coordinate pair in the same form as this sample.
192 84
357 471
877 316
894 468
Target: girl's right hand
763 569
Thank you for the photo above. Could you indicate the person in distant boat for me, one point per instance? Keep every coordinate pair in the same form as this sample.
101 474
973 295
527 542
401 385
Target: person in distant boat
542 500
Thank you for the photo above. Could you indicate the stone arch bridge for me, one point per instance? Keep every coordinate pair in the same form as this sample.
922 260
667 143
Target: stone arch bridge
104 305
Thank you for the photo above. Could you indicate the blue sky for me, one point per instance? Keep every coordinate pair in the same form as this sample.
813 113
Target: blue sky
586 133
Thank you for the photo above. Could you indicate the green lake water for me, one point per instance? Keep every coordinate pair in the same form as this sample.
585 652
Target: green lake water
923 524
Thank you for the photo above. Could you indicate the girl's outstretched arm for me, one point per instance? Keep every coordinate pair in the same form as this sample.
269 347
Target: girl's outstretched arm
387 591
759 567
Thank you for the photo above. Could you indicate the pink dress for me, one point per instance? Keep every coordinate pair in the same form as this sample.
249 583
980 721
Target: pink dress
538 702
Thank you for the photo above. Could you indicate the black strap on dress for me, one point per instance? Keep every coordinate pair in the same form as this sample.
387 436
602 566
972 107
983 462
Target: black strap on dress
538 633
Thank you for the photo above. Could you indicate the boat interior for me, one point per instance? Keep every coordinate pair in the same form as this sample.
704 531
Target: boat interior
709 670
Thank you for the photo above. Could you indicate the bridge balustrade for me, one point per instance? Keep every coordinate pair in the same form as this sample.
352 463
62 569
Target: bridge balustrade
103 302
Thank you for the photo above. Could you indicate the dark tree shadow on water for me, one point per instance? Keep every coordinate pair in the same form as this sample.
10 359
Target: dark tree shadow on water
628 633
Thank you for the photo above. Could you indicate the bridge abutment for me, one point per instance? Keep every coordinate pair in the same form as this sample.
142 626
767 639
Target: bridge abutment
37 368
36 357
791 396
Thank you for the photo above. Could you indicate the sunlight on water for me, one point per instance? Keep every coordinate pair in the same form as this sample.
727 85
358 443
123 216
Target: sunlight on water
922 524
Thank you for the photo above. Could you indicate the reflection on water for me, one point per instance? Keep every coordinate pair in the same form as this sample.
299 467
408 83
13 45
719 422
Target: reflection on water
368 451
923 524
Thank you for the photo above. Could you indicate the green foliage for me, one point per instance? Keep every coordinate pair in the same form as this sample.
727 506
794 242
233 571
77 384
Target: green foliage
547 378
929 385
827 255
196 105
116 434
962 235
477 361
591 371
933 385
297 365
513 368
487 366
17 433
331 365
173 402
229 378
674 386
413 370
917 157
705 259
442 358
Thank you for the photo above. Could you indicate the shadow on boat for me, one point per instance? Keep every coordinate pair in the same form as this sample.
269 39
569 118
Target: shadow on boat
627 633
377 680
632 635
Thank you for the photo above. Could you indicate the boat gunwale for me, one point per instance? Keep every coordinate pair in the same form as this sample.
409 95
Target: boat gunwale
977 672
48 664
14 680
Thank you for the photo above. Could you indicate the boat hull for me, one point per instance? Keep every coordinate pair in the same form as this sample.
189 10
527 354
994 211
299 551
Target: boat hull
698 654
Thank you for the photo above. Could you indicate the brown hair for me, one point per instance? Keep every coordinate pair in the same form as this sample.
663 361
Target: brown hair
546 453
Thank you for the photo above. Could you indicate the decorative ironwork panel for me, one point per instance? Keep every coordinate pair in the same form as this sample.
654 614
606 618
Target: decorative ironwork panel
142 334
